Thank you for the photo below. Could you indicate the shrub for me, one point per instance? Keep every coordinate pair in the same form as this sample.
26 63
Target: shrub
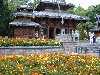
28 42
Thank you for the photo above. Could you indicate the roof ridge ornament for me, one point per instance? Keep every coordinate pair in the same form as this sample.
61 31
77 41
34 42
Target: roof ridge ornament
62 19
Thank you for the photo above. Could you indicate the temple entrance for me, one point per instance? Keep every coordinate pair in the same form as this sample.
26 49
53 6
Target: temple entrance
51 33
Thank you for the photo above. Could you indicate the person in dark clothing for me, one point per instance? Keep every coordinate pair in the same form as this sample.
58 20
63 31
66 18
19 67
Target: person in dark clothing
94 39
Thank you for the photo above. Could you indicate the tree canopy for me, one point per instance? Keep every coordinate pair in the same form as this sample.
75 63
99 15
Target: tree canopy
4 17
91 13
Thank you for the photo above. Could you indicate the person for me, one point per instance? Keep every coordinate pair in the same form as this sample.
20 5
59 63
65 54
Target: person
36 34
94 39
91 37
42 35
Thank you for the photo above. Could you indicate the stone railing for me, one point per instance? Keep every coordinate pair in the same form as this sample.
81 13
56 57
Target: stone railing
64 38
87 48
29 49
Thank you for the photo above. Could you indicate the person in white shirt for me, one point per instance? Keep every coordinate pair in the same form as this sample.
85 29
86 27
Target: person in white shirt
36 34
91 35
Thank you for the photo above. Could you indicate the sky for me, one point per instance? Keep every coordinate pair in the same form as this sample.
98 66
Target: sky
84 3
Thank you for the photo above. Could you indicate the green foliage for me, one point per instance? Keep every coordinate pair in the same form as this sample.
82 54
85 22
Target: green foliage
84 29
4 18
80 11
71 10
28 42
35 3
92 11
14 3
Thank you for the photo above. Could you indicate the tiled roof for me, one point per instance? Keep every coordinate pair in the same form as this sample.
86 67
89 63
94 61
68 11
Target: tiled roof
25 23
58 15
54 5
50 14
23 14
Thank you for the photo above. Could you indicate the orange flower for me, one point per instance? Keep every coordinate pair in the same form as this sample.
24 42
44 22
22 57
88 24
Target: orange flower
20 67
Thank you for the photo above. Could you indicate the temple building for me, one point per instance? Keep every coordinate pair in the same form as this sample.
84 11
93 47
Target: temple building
48 20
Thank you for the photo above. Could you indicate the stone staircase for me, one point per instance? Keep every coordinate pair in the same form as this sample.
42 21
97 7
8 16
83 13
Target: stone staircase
69 46
64 38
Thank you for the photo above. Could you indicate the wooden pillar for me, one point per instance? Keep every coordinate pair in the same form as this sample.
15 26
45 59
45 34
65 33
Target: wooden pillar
54 32
33 32
48 32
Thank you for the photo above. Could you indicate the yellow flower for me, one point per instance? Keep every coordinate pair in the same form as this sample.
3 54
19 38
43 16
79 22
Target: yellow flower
20 67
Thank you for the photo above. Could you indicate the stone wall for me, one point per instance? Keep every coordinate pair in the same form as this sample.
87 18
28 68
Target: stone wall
23 50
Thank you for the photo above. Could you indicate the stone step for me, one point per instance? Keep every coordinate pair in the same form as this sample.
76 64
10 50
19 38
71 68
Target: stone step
69 46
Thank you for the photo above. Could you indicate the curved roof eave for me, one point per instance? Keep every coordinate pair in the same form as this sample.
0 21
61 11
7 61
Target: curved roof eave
24 23
58 15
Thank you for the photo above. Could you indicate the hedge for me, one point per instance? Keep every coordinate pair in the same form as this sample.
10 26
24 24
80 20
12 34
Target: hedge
28 42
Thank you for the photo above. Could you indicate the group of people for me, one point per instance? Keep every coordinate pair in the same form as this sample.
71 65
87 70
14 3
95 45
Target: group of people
92 38
37 35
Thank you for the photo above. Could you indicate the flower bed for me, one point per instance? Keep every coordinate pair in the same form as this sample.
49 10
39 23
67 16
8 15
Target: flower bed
49 64
28 42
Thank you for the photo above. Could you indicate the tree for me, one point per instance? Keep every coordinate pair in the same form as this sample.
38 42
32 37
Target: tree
92 11
12 4
35 3
4 17
80 11
84 29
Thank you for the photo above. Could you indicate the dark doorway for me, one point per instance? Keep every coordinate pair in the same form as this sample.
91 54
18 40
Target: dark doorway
51 33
